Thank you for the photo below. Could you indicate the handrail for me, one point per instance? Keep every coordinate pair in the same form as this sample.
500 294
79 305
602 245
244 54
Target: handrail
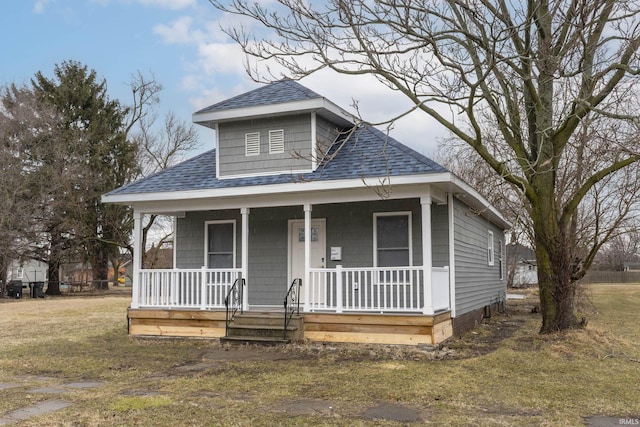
292 295
233 302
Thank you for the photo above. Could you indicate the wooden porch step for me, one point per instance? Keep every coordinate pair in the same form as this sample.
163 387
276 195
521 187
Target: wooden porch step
259 330
240 339
266 328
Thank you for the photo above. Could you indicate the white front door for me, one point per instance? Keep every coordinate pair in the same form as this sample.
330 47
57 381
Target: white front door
296 250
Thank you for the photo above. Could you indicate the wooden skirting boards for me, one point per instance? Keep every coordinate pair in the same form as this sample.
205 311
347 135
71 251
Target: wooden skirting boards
355 328
177 323
379 329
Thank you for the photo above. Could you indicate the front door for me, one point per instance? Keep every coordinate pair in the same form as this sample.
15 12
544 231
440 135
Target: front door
296 249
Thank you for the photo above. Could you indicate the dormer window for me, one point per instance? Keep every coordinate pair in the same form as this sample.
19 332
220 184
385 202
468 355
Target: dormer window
252 144
276 141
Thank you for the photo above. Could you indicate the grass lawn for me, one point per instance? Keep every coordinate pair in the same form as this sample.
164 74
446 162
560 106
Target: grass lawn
502 373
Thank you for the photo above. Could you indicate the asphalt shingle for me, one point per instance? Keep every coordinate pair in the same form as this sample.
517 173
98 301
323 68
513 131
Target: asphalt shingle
368 152
275 93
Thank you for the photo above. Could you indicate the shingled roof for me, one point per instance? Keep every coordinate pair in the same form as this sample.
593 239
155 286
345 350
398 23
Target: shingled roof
274 93
366 153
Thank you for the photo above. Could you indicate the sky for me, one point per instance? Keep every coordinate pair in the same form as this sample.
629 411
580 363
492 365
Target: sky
181 43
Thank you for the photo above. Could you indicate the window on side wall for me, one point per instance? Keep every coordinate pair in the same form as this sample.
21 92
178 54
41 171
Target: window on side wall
276 141
490 260
500 260
252 144
392 239
220 244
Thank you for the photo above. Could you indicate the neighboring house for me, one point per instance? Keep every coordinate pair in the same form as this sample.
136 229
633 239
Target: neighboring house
391 247
522 266
631 266
159 257
27 271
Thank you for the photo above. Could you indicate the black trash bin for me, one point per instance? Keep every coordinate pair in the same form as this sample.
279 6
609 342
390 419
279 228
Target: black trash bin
37 289
15 289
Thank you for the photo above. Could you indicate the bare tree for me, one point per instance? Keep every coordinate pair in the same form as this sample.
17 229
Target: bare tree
160 147
619 250
23 122
514 81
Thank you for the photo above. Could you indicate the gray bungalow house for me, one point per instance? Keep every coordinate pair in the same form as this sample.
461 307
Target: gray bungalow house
300 205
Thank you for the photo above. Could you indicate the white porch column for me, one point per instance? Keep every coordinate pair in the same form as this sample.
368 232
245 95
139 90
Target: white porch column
245 256
307 257
452 255
137 258
427 262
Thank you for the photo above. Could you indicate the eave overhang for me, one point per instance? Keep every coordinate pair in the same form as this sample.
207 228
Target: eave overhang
300 192
321 106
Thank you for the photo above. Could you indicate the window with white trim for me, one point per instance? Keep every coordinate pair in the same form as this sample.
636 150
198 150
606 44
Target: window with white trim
490 257
252 144
276 141
20 273
392 239
220 244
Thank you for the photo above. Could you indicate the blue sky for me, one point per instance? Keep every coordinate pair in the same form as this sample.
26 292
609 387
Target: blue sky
181 43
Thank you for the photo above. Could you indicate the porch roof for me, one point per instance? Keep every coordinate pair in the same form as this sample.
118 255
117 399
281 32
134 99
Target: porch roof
368 153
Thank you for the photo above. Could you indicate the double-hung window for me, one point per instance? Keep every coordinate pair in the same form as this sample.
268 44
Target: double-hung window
220 244
392 239
500 260
490 256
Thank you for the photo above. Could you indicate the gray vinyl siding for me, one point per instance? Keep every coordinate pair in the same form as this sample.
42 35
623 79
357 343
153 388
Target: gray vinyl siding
269 254
348 225
439 235
190 233
326 134
297 146
477 283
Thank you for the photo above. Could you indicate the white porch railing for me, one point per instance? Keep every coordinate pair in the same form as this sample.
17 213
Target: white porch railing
184 288
394 289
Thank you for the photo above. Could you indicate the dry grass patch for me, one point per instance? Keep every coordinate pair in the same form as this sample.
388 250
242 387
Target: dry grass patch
502 373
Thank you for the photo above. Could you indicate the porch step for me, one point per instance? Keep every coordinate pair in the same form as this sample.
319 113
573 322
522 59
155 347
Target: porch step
264 328
263 319
259 330
254 340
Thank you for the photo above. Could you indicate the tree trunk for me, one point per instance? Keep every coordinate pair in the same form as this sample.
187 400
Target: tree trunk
53 273
100 267
557 290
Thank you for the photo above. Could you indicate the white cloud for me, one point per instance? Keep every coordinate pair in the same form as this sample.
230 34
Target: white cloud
178 32
169 4
39 6
226 58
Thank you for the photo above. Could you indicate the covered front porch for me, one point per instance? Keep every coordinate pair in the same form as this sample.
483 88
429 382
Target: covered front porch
349 289
375 305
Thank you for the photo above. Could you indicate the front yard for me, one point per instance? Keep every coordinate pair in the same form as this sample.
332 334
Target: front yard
502 373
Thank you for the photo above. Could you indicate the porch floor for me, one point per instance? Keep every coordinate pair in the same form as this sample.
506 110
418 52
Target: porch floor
406 329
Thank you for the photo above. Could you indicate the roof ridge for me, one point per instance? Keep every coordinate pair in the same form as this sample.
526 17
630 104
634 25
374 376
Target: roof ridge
284 84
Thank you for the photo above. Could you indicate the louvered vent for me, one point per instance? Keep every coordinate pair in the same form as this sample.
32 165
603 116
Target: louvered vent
252 144
276 141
